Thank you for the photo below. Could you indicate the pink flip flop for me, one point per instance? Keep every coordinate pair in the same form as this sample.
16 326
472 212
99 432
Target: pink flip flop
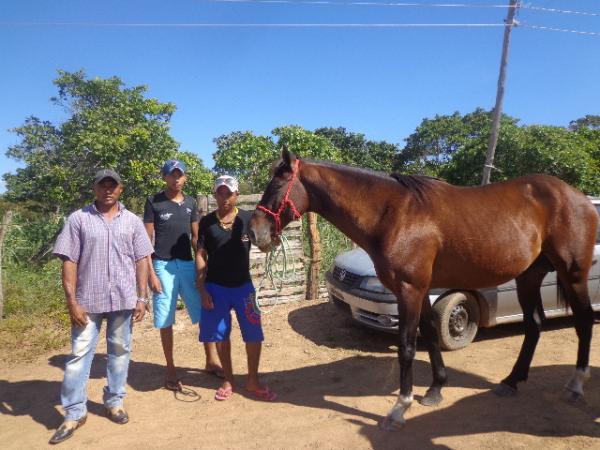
264 393
223 393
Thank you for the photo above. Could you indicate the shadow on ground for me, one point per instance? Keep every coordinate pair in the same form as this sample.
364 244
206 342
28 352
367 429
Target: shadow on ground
537 411
339 385
339 330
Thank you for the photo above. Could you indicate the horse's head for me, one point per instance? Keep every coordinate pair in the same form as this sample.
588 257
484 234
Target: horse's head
284 200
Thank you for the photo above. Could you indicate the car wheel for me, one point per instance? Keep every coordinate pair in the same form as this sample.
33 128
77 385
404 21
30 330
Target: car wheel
457 320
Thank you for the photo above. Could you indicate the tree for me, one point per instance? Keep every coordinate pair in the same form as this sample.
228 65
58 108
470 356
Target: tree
250 157
356 150
523 150
435 141
307 144
108 125
247 157
590 121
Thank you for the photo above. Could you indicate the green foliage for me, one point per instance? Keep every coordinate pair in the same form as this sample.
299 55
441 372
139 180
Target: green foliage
436 141
26 234
36 320
357 151
333 242
454 147
590 122
109 125
568 155
247 157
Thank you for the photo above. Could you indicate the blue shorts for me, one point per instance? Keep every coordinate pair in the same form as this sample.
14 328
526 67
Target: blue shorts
176 276
215 324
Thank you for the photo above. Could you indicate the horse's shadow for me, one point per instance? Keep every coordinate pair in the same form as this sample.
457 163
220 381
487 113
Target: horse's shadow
339 330
483 412
537 411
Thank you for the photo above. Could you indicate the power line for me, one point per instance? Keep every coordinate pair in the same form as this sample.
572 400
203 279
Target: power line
389 4
563 30
409 5
252 25
563 11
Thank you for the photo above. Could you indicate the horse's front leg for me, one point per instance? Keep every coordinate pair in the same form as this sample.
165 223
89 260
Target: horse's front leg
409 310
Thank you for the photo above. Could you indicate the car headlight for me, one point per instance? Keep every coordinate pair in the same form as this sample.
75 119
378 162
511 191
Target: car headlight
373 284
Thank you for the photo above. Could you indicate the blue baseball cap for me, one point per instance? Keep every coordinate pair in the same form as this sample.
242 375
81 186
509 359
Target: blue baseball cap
171 165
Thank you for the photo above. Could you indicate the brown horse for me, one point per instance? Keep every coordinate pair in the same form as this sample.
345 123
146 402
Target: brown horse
423 233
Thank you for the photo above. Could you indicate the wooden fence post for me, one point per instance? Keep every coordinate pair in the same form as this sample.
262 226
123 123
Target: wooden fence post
314 240
5 224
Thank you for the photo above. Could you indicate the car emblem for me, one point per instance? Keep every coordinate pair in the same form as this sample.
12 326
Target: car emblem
342 274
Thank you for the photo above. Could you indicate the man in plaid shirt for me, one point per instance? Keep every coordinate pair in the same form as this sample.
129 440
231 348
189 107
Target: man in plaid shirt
103 247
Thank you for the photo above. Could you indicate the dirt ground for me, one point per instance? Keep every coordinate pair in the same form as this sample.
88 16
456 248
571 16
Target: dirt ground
334 380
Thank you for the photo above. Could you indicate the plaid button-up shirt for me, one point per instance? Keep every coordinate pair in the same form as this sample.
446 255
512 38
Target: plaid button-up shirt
105 254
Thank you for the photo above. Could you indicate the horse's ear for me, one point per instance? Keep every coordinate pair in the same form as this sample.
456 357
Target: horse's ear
288 157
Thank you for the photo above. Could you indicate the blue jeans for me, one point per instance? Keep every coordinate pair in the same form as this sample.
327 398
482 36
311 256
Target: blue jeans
73 393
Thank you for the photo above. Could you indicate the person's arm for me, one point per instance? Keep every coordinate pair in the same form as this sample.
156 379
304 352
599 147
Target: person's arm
153 279
77 313
201 265
201 259
141 277
194 227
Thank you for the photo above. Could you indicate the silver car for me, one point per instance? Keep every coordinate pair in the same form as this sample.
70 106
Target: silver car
353 285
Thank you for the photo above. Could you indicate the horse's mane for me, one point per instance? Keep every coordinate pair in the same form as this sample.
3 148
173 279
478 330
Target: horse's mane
419 185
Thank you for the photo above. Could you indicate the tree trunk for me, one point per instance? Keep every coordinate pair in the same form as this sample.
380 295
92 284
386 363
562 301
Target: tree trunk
5 224
314 239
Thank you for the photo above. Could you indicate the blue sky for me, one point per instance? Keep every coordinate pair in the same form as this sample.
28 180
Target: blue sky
378 81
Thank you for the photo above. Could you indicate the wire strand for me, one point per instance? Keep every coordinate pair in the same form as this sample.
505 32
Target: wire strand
555 10
562 30
389 4
253 25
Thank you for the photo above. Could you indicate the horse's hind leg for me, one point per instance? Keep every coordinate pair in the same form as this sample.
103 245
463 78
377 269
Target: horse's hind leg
530 299
430 338
578 298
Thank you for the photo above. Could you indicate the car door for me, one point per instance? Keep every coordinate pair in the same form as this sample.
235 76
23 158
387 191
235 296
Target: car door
594 279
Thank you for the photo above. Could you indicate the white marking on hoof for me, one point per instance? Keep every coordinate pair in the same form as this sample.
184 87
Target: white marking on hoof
389 424
575 384
396 415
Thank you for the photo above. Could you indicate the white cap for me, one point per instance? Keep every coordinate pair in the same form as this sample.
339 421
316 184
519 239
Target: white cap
226 180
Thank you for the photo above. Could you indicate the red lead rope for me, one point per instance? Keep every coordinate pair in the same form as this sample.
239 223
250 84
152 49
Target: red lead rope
286 201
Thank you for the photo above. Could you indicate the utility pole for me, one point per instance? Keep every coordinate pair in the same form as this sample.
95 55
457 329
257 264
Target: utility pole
489 159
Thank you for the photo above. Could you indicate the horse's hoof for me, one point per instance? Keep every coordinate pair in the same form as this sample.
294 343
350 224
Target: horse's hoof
571 396
389 424
432 398
504 390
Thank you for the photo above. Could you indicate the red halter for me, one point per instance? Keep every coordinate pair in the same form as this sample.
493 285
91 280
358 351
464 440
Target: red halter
286 201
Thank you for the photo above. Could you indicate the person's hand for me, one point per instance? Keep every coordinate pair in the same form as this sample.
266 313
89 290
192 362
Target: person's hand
154 283
207 301
78 315
139 311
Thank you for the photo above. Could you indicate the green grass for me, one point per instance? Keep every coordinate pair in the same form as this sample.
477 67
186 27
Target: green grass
333 242
35 318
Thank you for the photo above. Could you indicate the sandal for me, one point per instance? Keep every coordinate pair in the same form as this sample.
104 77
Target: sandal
264 393
224 393
180 392
173 385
